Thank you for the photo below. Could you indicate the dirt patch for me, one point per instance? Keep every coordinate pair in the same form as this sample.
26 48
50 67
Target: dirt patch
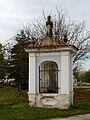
82 96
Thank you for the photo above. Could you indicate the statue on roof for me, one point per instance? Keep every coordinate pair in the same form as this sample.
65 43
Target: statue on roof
49 25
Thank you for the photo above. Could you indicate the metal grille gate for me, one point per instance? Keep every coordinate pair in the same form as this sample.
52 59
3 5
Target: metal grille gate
48 78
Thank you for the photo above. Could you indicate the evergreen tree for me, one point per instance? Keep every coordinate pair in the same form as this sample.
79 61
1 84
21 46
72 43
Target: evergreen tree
2 63
86 77
19 60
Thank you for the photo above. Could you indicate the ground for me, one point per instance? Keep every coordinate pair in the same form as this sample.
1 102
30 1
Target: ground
14 106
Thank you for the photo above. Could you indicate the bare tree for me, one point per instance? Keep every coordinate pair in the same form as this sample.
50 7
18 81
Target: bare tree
76 32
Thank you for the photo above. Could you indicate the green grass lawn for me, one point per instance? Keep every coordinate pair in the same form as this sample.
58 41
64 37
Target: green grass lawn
14 106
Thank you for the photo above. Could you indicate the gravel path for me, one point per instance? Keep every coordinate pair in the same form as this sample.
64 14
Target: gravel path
77 117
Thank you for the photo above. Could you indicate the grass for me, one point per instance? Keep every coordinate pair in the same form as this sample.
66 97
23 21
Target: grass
82 91
14 106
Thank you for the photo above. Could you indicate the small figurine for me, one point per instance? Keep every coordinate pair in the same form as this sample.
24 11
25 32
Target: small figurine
49 25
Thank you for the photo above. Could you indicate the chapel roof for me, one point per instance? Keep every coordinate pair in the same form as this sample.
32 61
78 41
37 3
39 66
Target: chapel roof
49 41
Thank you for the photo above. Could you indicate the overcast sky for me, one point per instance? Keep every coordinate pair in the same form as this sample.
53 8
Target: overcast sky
13 13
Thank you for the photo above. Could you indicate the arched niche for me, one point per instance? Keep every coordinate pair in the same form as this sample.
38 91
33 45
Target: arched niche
48 77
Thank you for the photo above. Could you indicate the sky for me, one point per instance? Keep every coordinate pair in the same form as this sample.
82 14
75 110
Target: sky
14 13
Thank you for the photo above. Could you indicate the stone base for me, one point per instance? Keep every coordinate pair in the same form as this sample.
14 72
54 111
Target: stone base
61 101
47 41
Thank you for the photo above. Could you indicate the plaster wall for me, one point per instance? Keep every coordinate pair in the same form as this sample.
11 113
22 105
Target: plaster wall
66 71
64 97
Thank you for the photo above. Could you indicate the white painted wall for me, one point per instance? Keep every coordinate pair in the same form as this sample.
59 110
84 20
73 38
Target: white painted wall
32 73
63 58
65 72
64 62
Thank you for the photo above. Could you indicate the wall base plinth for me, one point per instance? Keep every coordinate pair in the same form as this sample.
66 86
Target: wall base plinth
61 101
